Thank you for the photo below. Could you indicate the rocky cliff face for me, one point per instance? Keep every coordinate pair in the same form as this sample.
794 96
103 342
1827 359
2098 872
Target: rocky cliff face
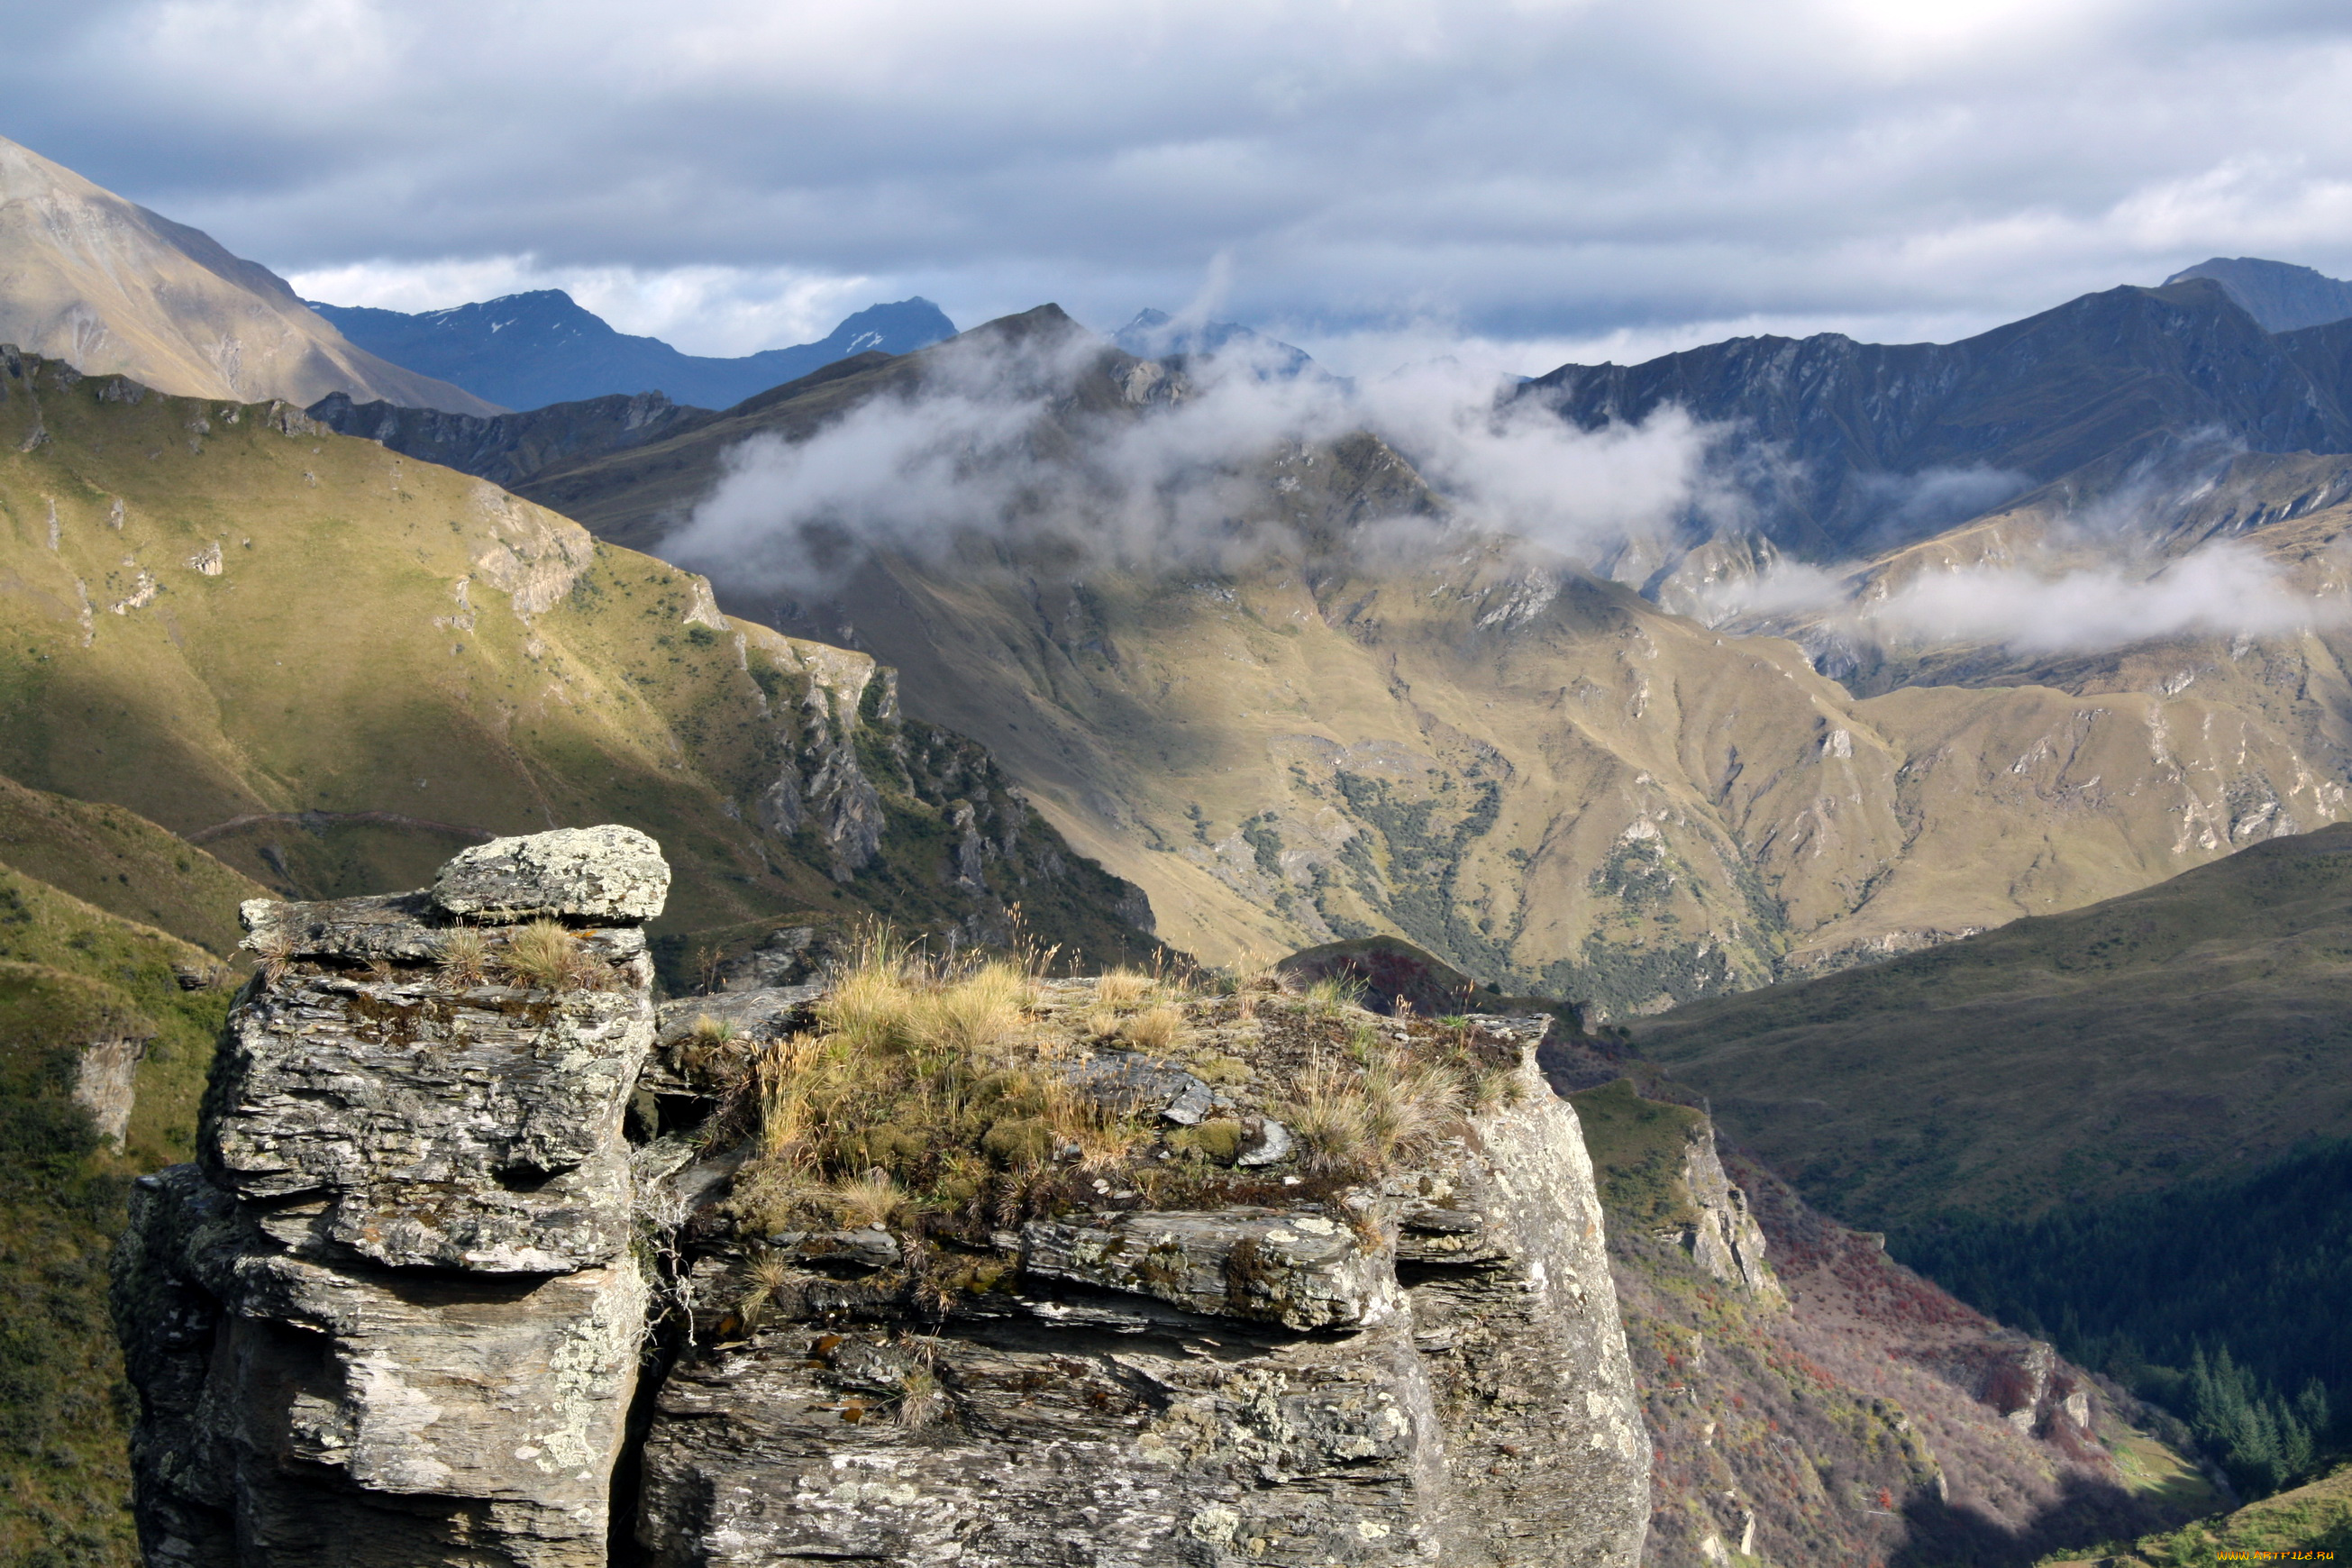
1724 1240
457 1184
1438 1379
393 1314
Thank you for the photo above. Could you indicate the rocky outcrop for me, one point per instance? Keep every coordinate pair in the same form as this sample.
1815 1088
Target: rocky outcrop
1725 1239
1428 1372
397 1312
393 1316
106 1077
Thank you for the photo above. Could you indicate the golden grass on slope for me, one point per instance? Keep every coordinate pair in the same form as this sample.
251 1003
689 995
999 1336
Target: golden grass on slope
113 857
337 665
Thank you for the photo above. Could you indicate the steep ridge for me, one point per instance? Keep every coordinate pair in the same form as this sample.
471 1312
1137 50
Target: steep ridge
508 449
331 667
1811 1401
2091 386
525 350
115 289
1544 779
2120 1127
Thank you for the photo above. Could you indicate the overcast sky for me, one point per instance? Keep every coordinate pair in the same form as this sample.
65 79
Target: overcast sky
1528 182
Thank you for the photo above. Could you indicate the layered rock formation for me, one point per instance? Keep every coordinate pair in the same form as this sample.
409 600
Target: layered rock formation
1426 1369
395 1313
393 1316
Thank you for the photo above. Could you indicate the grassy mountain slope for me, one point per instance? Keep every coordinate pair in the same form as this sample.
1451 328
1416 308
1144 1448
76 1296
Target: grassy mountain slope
2147 1040
124 863
87 276
1544 780
71 974
331 667
2311 1523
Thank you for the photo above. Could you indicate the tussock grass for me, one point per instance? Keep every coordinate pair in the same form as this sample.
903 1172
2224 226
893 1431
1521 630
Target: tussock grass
463 956
1359 1119
1333 996
1122 988
275 952
544 955
1161 1029
924 1086
870 1199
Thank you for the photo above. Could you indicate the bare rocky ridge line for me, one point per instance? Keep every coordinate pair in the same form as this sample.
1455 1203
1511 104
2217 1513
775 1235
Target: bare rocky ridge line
398 1310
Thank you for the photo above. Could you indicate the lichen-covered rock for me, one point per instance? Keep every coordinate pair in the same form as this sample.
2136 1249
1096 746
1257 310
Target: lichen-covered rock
609 874
394 1314
1432 1373
1301 1270
433 1125
293 1413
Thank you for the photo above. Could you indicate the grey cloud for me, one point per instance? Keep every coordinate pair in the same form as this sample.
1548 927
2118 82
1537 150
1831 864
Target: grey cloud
1512 170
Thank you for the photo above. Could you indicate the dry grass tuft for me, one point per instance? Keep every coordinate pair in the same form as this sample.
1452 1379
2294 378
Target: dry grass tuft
872 1198
1123 988
275 953
975 1013
770 1273
1094 1135
544 955
1333 1118
921 1399
464 956
1359 1119
1156 1030
1334 994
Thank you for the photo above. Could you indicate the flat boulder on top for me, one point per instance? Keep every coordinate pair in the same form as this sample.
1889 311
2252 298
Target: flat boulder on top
606 873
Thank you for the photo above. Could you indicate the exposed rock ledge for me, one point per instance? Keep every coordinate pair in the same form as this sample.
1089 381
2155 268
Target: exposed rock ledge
398 1311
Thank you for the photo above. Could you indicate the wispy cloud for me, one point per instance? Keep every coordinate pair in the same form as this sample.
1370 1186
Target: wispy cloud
1191 476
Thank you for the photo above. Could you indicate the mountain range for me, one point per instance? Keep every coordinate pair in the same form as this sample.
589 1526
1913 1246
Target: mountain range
1541 775
525 350
112 289
1875 446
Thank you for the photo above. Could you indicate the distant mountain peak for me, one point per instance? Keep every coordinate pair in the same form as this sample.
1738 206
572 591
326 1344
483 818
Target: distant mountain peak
1156 334
2281 294
543 347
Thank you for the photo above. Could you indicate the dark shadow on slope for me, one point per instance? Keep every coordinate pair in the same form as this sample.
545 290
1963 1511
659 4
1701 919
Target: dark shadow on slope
2087 1514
